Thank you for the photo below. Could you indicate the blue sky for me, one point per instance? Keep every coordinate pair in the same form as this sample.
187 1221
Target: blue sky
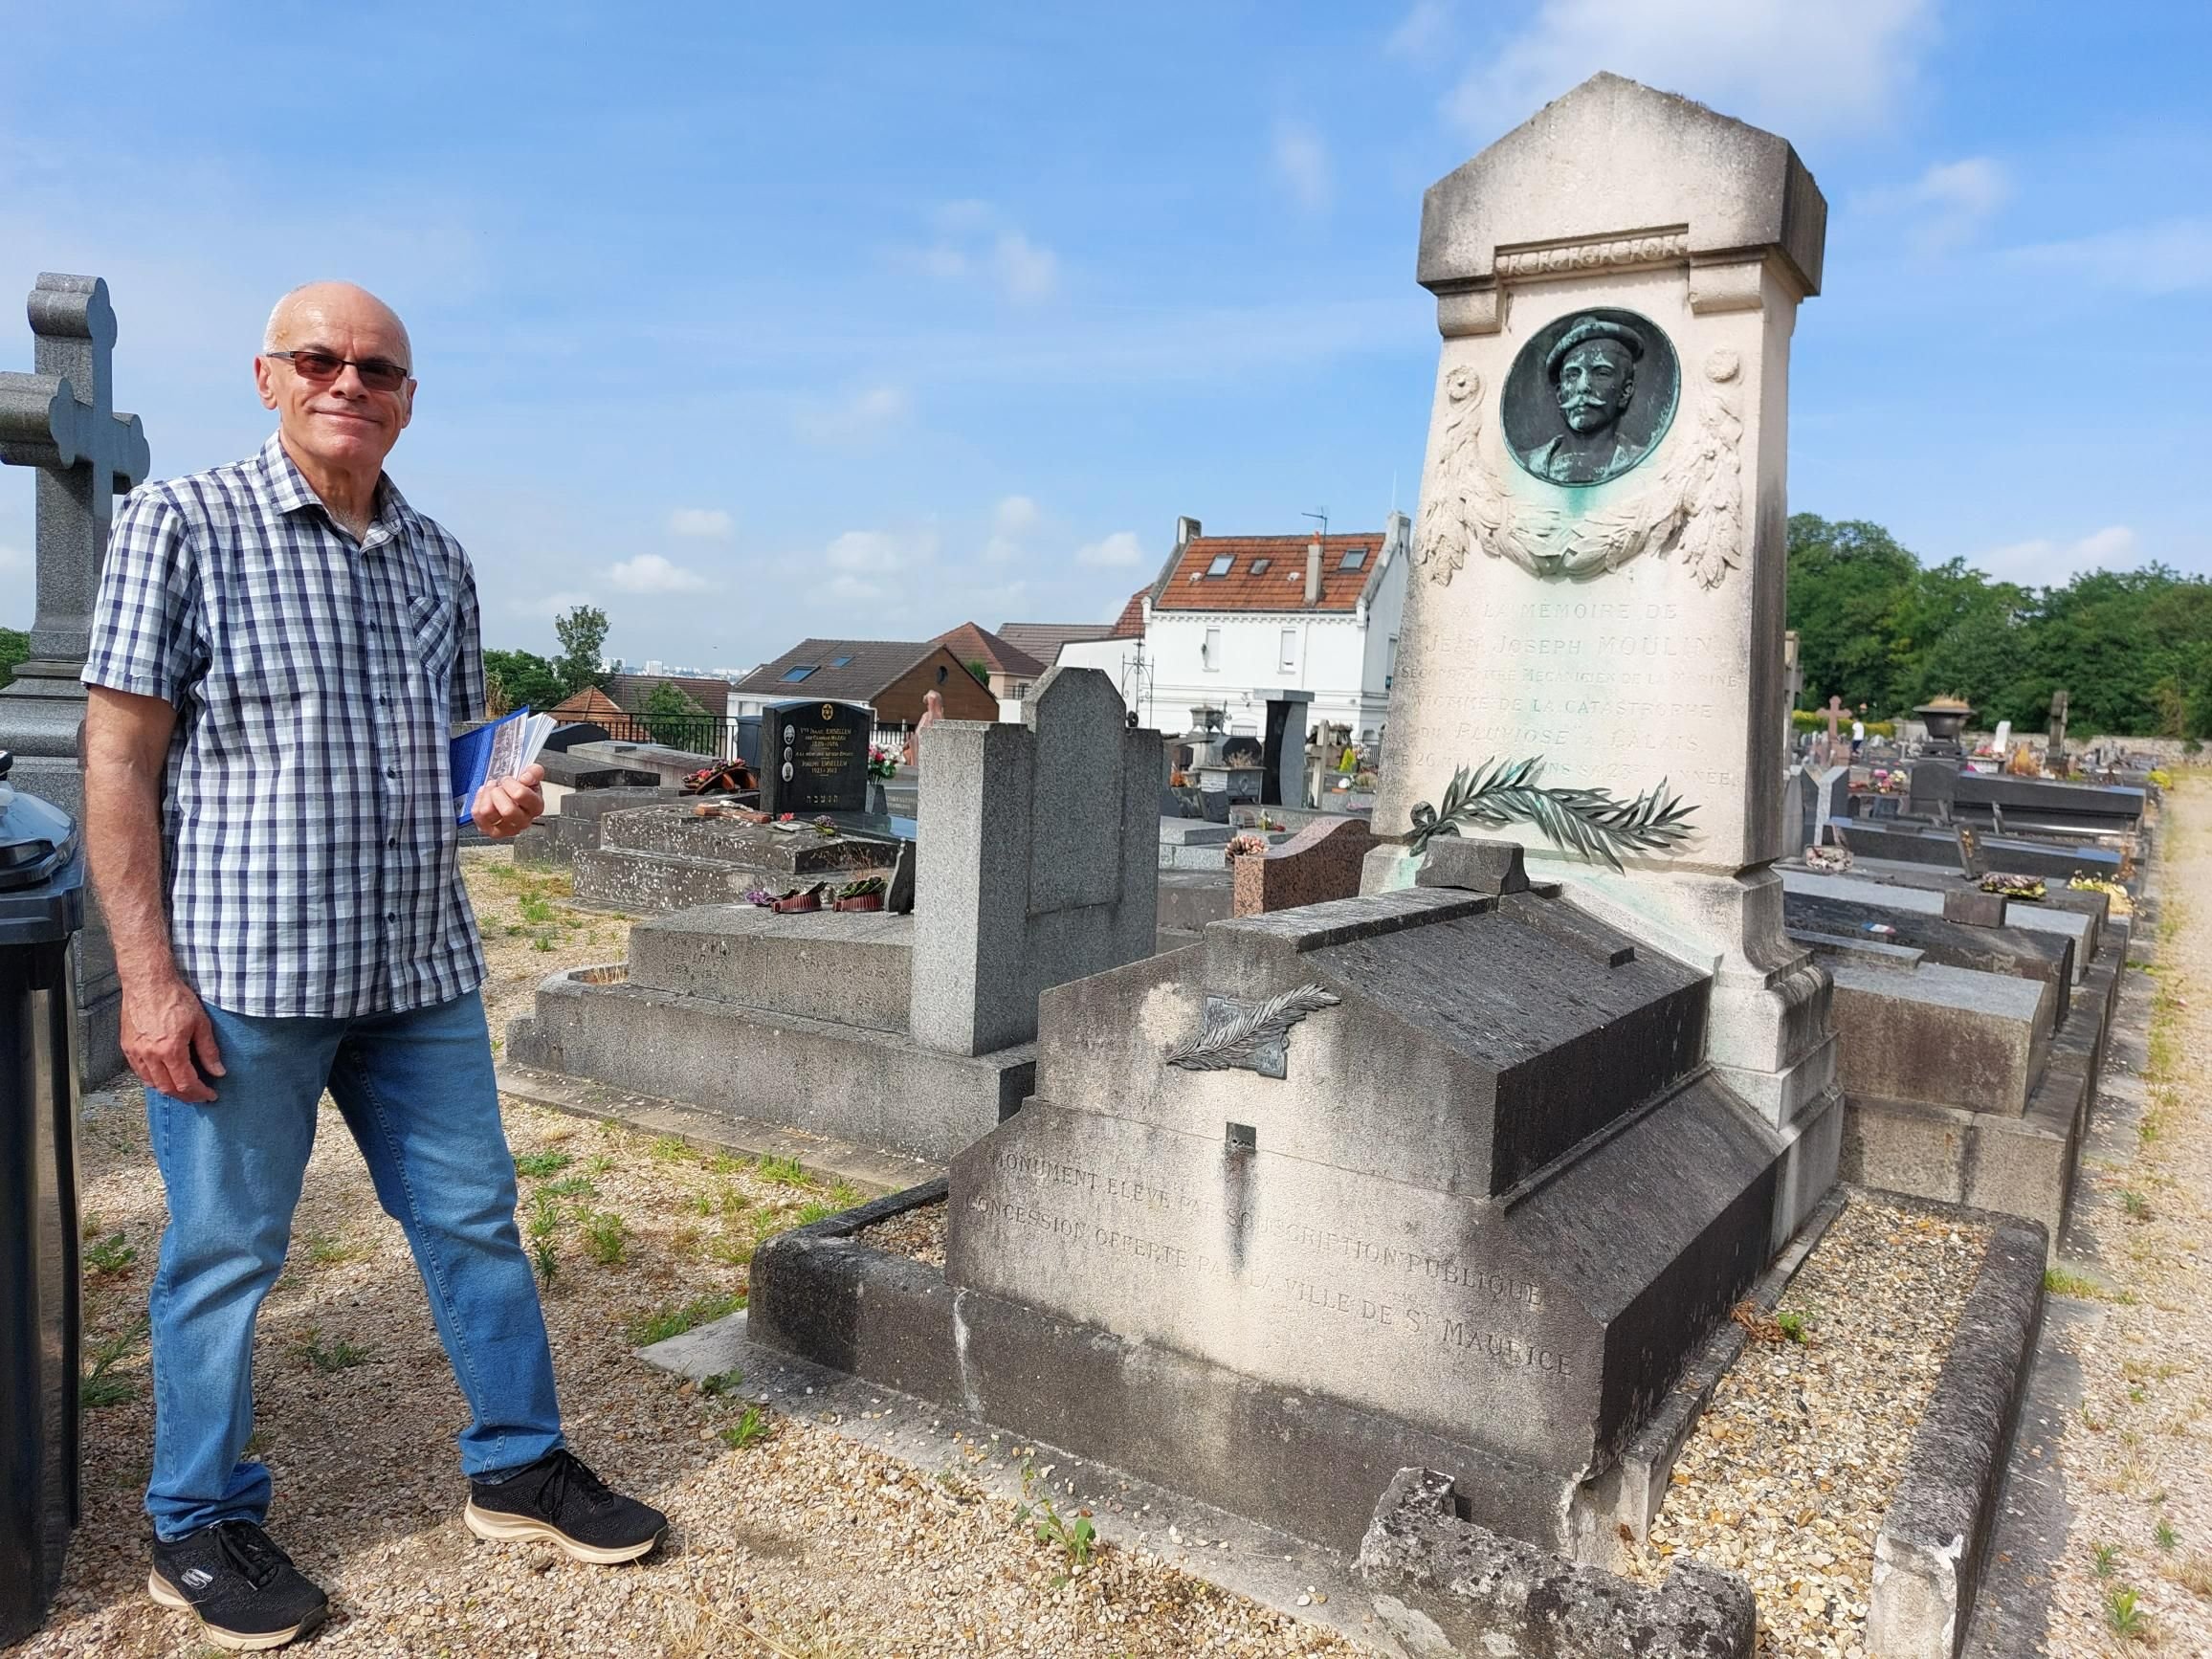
747 325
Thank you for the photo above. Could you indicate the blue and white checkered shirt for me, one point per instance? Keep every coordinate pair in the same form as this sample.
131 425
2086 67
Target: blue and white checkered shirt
308 820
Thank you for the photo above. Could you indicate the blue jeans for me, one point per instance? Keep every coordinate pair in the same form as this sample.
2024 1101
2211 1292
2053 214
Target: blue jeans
416 1090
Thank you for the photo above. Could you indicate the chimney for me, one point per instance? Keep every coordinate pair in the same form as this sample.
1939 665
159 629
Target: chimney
1186 530
1312 573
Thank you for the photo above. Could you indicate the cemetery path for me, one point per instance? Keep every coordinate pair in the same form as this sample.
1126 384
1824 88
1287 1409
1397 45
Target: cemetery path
799 1543
2137 1457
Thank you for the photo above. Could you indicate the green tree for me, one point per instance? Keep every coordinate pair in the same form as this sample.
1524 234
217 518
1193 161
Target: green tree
14 647
583 633
981 671
672 715
1849 587
515 679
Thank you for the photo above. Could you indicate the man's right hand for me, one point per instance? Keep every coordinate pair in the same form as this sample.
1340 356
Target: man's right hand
164 1029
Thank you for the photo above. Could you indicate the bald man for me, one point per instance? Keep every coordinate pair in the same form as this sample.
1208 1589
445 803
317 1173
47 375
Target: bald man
279 649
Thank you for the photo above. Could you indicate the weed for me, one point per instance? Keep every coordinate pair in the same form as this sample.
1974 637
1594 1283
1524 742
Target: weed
543 942
533 909
2136 1393
1793 1325
110 1254
732 1249
2121 1612
541 1229
2195 1574
2058 1282
699 1204
599 1164
686 1241
2165 1535
722 1383
537 1165
785 1172
845 1195
668 1149
1078 1540
749 1429
571 1186
605 1239
2136 1204
728 1163
2102 1556
545 1259
665 1322
730 1200
814 1210
326 1249
100 1387
2090 1420
339 1356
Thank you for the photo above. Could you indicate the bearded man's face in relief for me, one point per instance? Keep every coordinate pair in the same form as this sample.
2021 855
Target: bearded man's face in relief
1596 382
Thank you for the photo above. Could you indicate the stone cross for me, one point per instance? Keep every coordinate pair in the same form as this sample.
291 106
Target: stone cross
2054 755
1835 712
60 418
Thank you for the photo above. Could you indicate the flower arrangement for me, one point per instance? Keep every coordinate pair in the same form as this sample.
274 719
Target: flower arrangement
823 826
1245 846
882 763
2026 887
865 894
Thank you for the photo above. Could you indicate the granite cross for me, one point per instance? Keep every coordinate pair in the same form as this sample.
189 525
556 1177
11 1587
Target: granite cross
1835 712
60 418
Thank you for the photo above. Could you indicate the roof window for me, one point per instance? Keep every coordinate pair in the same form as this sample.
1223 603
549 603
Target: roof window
1353 558
1260 566
799 672
840 662
1220 564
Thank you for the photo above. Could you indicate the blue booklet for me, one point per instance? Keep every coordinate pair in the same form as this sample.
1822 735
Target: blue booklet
490 752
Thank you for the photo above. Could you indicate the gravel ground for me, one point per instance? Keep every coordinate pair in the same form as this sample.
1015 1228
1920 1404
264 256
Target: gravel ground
1786 1476
919 1233
2138 1459
797 1543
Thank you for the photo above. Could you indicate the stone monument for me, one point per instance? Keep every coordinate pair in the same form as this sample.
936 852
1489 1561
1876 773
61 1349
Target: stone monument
1597 586
60 419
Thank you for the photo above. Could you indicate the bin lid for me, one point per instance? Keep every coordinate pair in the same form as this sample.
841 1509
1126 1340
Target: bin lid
37 838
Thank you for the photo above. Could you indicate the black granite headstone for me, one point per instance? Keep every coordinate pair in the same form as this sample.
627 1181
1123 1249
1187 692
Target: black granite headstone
814 757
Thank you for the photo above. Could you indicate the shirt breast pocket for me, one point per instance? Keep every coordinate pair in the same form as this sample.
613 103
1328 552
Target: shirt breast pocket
433 623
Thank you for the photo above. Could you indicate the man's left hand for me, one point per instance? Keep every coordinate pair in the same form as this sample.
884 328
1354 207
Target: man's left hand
510 805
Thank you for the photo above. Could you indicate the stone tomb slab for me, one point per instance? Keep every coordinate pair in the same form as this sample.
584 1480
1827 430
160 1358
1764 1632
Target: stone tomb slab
2078 917
2024 953
1943 1036
659 858
812 963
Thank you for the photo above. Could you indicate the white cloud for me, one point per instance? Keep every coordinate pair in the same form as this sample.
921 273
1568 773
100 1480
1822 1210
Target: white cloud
651 573
977 243
1026 271
866 414
1122 548
2171 256
1302 163
2045 562
706 524
1423 31
1012 522
1951 200
1799 66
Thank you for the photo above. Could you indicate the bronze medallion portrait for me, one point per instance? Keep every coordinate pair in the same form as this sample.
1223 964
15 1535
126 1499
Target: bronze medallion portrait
1589 396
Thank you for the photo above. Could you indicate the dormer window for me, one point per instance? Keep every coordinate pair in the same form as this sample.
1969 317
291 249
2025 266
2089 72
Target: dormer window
799 672
1220 564
1353 558
1260 566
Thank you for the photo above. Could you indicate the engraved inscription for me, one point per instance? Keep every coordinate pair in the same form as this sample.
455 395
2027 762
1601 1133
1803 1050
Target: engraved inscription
1426 1301
1609 253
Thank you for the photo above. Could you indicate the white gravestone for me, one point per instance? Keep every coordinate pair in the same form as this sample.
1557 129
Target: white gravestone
1599 560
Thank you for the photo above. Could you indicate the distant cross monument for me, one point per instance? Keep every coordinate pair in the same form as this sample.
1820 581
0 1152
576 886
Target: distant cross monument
60 419
2054 753
1835 712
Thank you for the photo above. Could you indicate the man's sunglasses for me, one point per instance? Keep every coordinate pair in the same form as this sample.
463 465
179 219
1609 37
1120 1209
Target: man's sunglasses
377 373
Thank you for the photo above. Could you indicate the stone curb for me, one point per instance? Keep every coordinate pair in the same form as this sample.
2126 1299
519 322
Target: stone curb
1927 1556
1448 1586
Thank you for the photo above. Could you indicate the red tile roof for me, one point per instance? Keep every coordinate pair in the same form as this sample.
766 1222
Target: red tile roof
1279 585
1129 624
973 644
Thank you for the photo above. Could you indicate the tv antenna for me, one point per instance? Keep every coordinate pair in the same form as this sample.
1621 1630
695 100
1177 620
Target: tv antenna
1323 514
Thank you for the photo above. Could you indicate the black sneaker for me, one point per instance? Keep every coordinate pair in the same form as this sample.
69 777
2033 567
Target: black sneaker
559 1499
244 1590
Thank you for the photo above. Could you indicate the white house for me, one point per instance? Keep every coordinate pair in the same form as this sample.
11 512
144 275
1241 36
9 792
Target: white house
1233 618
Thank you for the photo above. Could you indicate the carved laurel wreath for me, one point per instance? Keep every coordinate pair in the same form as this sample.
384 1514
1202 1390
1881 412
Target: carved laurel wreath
1695 505
1231 1041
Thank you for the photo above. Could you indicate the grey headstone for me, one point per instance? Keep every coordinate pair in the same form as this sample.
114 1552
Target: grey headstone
1038 859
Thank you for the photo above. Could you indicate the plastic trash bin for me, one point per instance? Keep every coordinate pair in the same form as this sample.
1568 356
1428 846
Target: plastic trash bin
41 908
